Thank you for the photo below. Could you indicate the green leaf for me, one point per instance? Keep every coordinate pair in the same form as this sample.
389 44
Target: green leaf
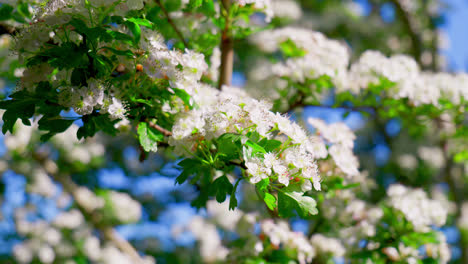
269 144
255 147
233 199
289 199
417 239
54 125
135 29
79 77
290 49
94 123
141 22
229 147
126 53
220 188
262 186
268 198
22 106
461 156
5 12
184 96
121 36
193 4
149 137
208 8
270 201
189 167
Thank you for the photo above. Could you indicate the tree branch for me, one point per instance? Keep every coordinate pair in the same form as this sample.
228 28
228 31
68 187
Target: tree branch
171 22
227 48
164 131
412 28
69 186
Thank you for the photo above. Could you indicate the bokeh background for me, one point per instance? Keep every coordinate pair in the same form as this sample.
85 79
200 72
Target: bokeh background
364 24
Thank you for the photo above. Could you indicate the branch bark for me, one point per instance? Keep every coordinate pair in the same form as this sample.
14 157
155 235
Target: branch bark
227 48
171 22
412 28
164 131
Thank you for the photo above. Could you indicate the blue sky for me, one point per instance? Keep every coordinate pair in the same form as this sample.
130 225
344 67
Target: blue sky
456 27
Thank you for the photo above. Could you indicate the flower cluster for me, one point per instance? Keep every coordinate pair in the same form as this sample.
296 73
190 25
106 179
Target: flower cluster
280 234
232 111
417 208
341 138
211 248
317 55
410 82
286 9
51 242
125 209
84 100
440 251
327 245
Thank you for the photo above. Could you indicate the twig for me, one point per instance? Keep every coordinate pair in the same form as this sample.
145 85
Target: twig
227 49
171 22
164 131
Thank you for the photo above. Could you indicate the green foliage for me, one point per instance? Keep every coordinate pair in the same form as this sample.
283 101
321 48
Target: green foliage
21 106
290 49
149 137
94 123
291 199
220 188
54 125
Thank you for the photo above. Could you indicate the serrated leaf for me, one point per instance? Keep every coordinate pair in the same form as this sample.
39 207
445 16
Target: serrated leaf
189 167
54 125
149 137
221 187
21 107
291 199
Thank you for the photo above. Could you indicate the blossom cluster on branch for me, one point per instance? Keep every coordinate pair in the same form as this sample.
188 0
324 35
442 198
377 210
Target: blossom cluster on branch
144 72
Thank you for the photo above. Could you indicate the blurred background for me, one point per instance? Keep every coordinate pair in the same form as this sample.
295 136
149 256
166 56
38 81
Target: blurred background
433 32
